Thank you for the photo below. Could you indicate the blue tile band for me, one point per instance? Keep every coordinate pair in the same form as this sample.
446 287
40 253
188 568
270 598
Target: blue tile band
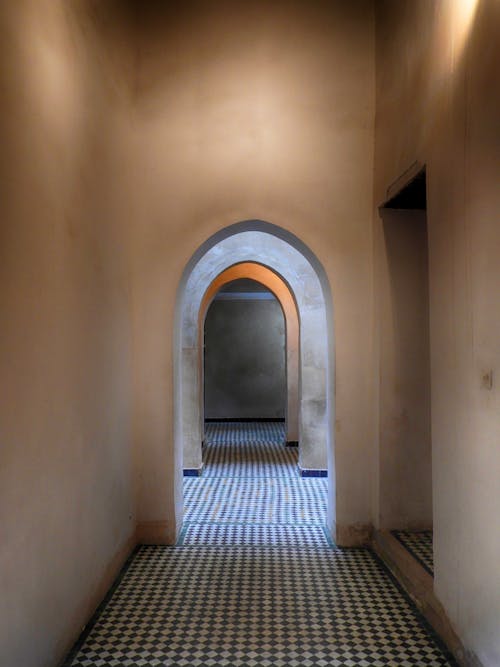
193 472
312 472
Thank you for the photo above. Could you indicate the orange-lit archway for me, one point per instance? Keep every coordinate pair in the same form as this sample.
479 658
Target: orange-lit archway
281 291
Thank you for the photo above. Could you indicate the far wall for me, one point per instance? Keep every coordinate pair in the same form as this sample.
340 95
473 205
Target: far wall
245 370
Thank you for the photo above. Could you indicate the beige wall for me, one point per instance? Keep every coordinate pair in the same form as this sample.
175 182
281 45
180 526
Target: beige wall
253 111
438 101
405 470
66 492
130 134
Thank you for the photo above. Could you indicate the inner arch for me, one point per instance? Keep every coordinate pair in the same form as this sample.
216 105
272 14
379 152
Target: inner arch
262 274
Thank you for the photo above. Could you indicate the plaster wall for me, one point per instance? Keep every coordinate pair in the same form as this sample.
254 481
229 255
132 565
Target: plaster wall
148 127
245 370
438 102
405 431
160 124
67 514
252 111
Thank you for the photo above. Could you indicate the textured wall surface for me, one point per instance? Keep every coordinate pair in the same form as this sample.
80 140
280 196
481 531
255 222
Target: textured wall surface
67 509
245 374
132 132
251 111
438 102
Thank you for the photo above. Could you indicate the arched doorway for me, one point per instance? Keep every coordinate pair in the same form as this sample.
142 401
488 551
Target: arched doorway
275 284
284 255
244 357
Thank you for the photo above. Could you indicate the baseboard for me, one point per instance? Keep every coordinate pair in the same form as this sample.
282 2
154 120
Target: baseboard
91 606
157 532
419 585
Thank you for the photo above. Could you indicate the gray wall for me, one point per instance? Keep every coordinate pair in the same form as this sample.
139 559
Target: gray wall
245 372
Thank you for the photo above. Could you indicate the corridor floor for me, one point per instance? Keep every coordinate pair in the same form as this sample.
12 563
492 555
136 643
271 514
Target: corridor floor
254 580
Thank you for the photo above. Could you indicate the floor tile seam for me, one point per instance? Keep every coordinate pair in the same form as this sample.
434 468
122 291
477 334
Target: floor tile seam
252 523
189 522
294 476
295 548
257 548
306 529
308 481
255 523
289 548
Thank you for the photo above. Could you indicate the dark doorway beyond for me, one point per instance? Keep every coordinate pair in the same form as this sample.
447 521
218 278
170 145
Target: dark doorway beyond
245 365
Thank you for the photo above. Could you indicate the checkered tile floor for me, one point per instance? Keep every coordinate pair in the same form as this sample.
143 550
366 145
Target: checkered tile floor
241 433
254 582
254 535
419 544
251 477
252 449
255 500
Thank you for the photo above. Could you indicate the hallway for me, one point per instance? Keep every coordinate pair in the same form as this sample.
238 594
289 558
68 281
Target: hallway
253 579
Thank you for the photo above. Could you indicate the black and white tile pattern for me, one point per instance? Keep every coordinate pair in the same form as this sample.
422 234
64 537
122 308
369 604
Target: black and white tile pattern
255 582
251 477
256 606
254 449
419 544
250 460
246 534
243 433
255 500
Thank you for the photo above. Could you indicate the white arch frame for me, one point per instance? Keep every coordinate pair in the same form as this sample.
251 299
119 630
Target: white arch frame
287 256
280 290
